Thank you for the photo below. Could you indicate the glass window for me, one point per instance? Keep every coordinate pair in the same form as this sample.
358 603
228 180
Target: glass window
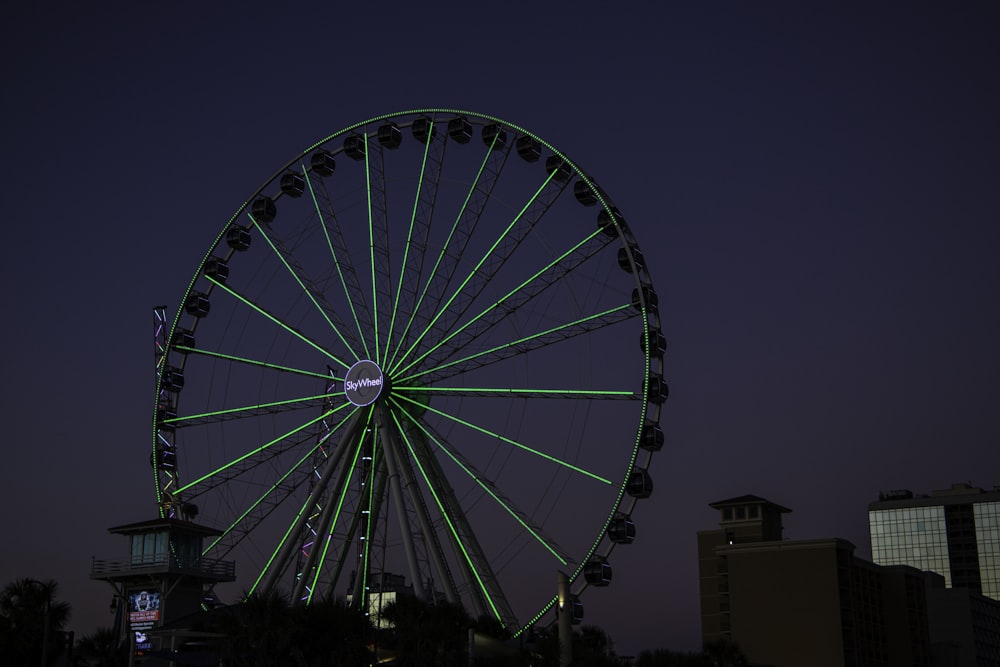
914 536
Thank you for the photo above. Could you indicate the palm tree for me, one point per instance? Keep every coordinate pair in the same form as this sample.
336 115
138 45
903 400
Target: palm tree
102 649
329 632
32 622
266 629
724 653
428 634
592 647
258 632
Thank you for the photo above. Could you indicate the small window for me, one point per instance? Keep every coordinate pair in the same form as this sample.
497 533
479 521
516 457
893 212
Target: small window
754 511
741 512
727 514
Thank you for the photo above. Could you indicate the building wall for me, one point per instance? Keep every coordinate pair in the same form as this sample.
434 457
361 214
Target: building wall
784 598
905 614
708 584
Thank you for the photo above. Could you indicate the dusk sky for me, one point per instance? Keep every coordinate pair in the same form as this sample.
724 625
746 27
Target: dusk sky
816 190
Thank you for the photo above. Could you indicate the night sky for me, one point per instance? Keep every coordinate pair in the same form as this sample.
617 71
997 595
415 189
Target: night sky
815 190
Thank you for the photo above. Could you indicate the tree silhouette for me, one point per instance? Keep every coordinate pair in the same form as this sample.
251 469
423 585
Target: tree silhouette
102 649
29 609
427 634
267 630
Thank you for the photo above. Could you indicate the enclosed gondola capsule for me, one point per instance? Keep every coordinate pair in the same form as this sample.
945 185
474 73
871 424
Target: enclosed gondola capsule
390 136
197 304
354 146
460 130
645 294
621 530
293 184
323 163
494 136
424 129
558 168
652 437
182 338
238 238
640 484
597 571
263 209
217 269
528 148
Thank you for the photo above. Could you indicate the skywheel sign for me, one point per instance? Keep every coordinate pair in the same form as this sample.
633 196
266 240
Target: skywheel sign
363 383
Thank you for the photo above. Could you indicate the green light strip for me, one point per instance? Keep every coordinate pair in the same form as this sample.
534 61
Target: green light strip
440 257
251 362
365 571
409 240
288 532
527 392
499 302
274 319
371 246
503 438
271 490
336 516
308 292
445 515
483 353
475 269
333 254
476 478
277 549
260 449
217 413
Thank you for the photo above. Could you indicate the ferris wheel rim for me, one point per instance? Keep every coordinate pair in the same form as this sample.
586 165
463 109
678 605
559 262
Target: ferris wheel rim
646 307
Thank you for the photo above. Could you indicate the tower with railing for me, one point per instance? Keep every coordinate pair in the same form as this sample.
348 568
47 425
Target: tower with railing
164 578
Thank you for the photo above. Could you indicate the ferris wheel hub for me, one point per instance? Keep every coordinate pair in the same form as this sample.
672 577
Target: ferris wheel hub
364 382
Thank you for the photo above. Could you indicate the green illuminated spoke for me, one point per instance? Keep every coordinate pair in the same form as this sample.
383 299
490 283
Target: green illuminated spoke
447 511
269 494
278 562
298 273
528 343
589 394
371 246
509 441
216 475
521 294
249 410
281 544
287 327
334 521
450 241
340 256
249 362
410 236
444 309
490 488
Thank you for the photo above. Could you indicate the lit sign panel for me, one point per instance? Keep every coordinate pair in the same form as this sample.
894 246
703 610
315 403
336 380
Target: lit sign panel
363 383
143 616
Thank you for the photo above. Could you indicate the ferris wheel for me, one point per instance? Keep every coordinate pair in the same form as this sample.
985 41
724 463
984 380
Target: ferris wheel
427 351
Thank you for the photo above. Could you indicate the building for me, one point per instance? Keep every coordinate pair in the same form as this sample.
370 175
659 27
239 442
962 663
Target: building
954 532
964 626
789 603
165 578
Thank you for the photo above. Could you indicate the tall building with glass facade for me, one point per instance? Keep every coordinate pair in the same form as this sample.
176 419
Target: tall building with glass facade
954 532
